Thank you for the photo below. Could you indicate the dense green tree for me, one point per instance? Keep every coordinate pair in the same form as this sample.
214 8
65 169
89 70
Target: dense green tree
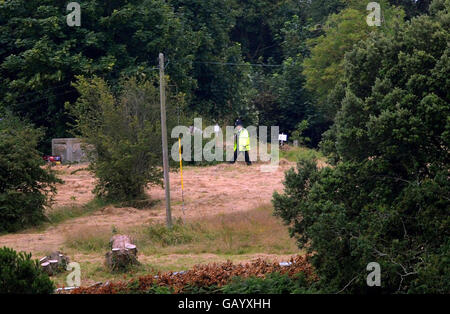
280 97
412 7
25 186
386 199
207 44
293 103
258 28
319 10
221 80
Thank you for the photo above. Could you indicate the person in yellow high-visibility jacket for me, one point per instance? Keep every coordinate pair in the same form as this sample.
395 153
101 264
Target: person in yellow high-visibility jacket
241 142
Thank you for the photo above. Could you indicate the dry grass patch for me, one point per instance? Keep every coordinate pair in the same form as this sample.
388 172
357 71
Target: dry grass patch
243 232
89 239
254 231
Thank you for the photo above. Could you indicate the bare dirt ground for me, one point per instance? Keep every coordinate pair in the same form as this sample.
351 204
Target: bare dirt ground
223 188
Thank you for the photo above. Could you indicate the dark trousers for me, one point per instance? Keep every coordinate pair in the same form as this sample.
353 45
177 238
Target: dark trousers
247 157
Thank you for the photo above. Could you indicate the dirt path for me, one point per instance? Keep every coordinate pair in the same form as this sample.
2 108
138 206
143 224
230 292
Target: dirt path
211 190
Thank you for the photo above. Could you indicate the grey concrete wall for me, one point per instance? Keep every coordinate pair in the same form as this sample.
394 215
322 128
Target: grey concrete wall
69 149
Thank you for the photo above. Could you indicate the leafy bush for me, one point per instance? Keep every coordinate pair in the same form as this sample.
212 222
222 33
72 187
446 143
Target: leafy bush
20 274
385 199
325 67
124 135
25 186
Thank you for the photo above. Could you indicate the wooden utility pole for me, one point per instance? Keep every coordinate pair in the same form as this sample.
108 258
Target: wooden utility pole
162 93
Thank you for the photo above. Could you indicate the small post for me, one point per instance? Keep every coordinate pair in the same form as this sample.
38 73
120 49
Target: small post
162 92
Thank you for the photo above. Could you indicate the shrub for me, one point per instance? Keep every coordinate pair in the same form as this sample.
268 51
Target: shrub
297 134
20 274
25 186
178 234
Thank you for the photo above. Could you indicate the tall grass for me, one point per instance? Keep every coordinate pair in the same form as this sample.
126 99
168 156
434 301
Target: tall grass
254 231
89 239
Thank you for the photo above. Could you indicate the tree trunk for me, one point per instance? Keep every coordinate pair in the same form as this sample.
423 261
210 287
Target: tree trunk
54 263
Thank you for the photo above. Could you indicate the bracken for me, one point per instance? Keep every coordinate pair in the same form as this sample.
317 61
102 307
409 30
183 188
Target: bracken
206 276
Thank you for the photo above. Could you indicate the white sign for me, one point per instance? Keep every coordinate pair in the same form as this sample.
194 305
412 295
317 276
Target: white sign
282 137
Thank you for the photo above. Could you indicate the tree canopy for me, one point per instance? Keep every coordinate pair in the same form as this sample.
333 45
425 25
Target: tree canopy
232 59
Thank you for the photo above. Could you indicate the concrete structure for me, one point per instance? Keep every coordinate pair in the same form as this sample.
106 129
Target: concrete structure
69 149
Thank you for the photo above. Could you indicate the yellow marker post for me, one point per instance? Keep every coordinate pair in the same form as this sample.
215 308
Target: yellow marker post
181 172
